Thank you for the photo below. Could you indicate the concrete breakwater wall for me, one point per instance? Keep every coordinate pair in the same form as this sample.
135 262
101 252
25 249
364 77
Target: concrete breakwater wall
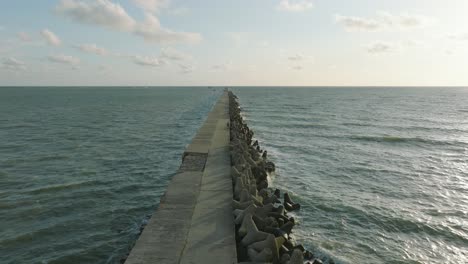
193 223
218 208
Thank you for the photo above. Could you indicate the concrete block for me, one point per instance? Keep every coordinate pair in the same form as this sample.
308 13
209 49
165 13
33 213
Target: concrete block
212 225
214 199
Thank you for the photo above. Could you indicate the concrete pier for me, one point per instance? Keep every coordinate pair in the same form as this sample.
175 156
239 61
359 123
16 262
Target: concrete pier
194 222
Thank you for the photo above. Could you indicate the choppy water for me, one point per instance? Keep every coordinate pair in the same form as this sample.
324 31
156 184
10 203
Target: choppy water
382 174
81 168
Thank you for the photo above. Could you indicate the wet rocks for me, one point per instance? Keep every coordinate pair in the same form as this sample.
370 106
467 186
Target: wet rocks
263 226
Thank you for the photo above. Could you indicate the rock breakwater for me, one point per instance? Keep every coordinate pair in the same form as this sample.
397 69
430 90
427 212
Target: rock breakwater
263 226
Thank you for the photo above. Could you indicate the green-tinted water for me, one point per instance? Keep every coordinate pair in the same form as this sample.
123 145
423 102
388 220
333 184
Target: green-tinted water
81 168
382 174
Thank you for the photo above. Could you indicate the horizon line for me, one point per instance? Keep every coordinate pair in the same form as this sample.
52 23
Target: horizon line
245 86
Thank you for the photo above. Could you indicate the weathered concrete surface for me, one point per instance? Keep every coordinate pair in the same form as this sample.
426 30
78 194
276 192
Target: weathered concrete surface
194 222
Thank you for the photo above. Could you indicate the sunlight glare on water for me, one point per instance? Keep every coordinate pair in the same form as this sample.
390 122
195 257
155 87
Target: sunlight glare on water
381 173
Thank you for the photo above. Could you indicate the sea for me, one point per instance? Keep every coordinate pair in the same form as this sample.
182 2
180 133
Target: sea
381 173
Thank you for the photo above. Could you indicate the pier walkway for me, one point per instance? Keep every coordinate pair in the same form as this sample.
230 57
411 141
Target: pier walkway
194 222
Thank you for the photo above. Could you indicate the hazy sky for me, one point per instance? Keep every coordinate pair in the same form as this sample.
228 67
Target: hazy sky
234 42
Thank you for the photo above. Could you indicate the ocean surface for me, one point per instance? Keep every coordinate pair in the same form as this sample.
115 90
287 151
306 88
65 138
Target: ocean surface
82 168
381 173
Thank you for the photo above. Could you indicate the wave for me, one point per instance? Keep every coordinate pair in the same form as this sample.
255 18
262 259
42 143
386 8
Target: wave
61 187
434 127
52 157
356 124
19 125
408 140
392 223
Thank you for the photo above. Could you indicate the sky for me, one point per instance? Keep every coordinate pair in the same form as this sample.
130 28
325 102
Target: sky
234 42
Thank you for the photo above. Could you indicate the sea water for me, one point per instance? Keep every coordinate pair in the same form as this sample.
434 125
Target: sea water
81 169
381 173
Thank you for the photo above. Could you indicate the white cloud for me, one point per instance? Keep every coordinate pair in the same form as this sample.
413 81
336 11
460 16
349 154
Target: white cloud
98 12
51 38
222 67
152 31
167 54
173 54
113 16
412 43
147 61
25 37
104 68
405 20
383 21
184 68
63 59
219 67
92 48
296 57
459 36
295 5
151 5
357 23
380 47
449 51
13 64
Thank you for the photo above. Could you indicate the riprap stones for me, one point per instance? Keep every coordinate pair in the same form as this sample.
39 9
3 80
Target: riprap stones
263 226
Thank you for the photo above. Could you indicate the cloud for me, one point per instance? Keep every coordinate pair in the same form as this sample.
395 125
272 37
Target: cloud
98 12
173 54
13 64
113 16
296 57
221 67
295 6
167 54
151 5
459 36
92 48
184 68
147 61
104 68
380 47
23 36
383 21
51 38
152 31
2 28
357 23
63 59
